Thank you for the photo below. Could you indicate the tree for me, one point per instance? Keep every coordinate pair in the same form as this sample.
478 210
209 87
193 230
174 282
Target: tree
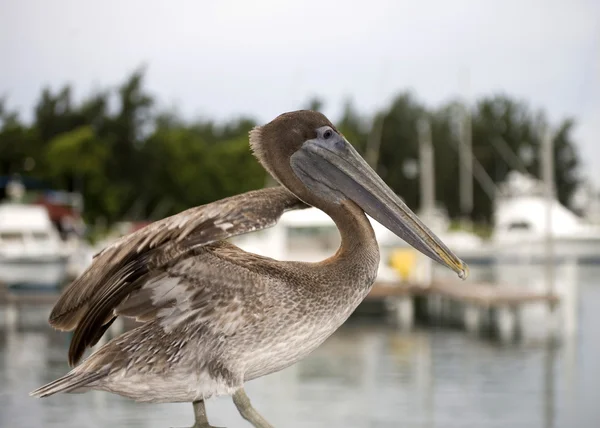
354 127
130 162
78 156
399 148
567 162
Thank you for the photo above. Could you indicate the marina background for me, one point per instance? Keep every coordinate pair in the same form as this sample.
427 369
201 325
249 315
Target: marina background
495 152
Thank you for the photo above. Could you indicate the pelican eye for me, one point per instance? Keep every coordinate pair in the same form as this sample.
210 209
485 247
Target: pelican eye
327 134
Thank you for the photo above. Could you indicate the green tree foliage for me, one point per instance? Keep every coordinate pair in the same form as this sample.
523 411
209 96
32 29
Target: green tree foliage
17 142
354 127
566 167
78 158
399 150
131 160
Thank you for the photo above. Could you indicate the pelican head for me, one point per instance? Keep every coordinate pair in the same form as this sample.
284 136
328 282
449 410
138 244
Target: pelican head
306 153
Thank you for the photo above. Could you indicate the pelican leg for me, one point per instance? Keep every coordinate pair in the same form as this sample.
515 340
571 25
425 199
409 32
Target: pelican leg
242 402
200 418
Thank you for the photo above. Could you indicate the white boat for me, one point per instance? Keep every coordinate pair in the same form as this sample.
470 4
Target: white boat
521 213
31 250
524 220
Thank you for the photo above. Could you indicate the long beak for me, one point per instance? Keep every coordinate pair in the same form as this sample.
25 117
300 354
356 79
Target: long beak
334 169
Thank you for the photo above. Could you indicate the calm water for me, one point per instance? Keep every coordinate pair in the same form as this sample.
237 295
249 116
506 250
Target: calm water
368 374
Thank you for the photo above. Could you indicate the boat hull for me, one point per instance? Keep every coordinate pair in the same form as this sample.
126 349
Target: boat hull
42 272
532 251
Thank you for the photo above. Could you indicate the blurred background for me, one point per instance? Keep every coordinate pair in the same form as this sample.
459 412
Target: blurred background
483 116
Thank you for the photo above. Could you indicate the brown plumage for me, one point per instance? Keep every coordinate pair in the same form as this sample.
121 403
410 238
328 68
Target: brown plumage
87 304
214 316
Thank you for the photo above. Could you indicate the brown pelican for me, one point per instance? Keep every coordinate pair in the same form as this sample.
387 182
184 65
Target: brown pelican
215 316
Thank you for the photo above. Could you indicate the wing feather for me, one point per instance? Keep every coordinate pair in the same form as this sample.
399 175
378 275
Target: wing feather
89 302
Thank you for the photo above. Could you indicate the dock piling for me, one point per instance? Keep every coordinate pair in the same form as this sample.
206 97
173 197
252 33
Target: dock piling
472 319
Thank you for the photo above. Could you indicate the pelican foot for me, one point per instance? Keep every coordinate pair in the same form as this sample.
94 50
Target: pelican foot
242 402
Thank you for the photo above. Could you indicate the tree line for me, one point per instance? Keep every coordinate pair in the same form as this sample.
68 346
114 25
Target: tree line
137 161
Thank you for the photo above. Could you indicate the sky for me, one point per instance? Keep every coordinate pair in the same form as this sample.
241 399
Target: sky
263 57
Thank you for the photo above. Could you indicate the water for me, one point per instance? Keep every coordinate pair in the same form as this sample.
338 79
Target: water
368 374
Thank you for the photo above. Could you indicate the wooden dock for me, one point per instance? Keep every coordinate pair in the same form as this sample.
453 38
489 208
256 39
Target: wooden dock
476 307
482 294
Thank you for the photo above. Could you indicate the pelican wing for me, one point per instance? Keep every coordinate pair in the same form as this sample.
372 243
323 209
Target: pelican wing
216 287
88 303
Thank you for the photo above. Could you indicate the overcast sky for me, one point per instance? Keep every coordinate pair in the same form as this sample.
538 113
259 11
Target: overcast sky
220 58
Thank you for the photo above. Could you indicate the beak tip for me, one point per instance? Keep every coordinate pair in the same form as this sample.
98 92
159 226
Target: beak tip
463 272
